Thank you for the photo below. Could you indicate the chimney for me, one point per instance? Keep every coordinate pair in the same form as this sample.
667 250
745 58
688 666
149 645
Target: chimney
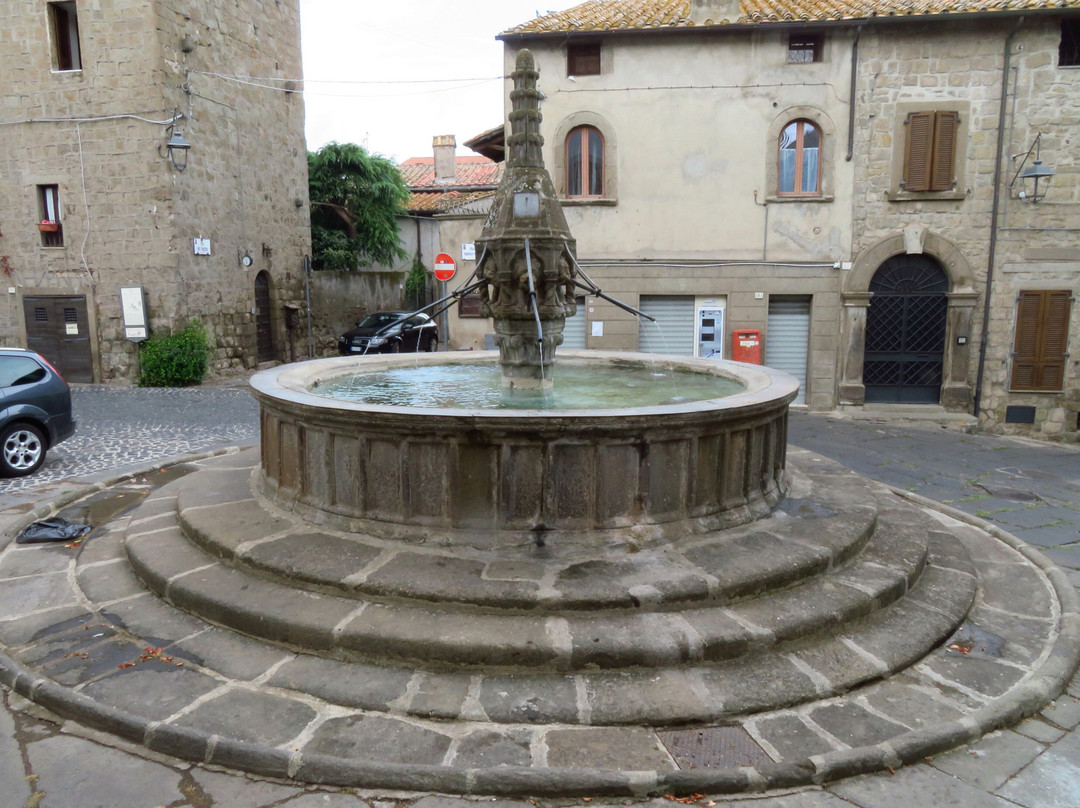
714 12
445 160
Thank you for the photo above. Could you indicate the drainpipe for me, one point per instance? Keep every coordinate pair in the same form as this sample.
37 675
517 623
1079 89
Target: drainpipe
991 256
851 96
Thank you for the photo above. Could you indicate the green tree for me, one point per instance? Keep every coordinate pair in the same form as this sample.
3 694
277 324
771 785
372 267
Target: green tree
355 200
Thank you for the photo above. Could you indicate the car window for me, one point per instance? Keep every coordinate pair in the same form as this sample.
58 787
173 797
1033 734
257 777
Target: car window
417 320
378 320
16 370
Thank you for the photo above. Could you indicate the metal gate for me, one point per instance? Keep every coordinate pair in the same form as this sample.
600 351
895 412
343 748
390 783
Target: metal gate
905 331
673 331
264 334
57 327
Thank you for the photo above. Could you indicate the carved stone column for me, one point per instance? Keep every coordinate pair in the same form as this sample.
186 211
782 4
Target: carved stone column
853 334
955 386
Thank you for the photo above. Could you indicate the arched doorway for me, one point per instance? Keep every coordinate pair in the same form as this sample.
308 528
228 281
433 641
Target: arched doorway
264 334
905 331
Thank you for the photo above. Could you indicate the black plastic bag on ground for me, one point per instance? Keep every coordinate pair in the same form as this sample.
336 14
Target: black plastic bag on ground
55 529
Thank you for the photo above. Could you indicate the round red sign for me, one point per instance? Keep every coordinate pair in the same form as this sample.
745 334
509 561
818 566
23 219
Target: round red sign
445 267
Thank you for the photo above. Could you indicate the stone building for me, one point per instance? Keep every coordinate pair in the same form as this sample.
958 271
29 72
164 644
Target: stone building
845 179
98 193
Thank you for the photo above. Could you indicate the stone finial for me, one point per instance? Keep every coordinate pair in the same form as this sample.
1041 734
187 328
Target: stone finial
525 141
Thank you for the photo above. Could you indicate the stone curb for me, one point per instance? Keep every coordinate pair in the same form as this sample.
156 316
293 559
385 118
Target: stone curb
1040 687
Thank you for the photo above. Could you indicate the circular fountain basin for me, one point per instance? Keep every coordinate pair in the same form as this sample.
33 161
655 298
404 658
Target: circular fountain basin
490 477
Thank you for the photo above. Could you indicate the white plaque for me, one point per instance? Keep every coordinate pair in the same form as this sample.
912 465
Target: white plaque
468 251
526 204
200 246
597 328
71 328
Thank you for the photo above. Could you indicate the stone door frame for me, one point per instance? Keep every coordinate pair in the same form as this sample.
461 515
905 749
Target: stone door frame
956 389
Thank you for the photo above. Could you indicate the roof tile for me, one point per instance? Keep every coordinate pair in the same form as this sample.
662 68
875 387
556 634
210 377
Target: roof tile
614 15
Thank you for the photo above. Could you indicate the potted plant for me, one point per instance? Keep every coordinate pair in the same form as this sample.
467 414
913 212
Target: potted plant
45 226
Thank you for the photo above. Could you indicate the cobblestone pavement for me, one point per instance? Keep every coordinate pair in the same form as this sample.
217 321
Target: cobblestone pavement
127 426
1029 489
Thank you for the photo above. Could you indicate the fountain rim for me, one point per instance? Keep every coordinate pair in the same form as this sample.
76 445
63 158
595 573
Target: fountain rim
292 383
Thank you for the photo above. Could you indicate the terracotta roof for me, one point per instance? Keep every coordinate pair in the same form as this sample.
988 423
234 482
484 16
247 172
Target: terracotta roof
439 201
419 172
624 15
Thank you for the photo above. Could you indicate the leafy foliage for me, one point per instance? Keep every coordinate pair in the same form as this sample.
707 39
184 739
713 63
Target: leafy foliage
416 285
355 200
175 360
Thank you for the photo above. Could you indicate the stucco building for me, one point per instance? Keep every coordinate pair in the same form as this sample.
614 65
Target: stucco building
99 193
844 178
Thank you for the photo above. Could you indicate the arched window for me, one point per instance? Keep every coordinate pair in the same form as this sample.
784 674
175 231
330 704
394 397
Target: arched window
585 162
799 166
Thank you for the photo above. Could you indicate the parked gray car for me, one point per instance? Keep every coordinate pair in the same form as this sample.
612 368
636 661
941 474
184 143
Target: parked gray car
35 411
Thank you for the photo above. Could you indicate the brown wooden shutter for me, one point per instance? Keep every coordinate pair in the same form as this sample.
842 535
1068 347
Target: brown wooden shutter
920 133
1042 336
943 165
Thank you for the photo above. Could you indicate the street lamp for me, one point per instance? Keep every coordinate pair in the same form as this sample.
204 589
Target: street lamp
177 145
1031 175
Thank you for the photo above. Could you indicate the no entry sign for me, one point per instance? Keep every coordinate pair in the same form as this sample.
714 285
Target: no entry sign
445 267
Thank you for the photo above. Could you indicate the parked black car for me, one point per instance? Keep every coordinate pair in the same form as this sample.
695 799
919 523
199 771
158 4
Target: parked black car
35 411
390 332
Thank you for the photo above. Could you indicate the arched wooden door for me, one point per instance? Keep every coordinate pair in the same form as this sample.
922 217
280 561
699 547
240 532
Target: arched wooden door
264 334
905 331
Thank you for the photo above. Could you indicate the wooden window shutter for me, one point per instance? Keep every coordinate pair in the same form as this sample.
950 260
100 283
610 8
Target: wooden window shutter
943 166
920 134
1042 336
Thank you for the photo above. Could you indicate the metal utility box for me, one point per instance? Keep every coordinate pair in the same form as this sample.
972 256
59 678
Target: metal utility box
746 346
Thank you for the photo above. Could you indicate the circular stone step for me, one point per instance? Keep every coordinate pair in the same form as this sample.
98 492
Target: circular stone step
652 635
83 638
809 534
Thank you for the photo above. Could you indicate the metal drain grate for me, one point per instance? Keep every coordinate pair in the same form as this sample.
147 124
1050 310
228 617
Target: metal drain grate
713 748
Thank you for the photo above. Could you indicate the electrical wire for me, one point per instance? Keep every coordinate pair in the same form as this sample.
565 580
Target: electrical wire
93 119
708 265
86 204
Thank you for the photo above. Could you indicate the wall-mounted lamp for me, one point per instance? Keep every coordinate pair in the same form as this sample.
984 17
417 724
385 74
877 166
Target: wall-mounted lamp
1031 175
177 145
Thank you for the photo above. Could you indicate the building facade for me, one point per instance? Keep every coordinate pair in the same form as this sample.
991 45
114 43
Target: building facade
159 151
827 176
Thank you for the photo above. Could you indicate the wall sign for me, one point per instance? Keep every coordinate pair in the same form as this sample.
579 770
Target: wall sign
133 308
200 246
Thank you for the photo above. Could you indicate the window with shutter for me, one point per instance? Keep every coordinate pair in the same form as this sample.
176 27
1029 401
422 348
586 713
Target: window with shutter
930 151
1042 336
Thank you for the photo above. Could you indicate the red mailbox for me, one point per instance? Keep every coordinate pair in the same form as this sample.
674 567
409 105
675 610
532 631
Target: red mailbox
746 346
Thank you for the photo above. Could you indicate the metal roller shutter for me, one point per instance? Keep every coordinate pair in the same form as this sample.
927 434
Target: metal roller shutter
574 331
673 331
786 340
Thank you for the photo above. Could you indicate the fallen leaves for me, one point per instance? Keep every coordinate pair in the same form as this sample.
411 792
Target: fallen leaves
693 799
148 654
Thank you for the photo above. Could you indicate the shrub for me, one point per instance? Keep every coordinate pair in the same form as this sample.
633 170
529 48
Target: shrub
416 285
175 360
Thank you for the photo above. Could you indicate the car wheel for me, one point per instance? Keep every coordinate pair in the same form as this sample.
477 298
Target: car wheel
22 450
432 344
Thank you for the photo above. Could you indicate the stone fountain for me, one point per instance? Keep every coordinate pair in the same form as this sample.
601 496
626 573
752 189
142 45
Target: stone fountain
635 601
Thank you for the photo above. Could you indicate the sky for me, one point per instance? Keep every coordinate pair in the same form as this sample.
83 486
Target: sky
392 74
